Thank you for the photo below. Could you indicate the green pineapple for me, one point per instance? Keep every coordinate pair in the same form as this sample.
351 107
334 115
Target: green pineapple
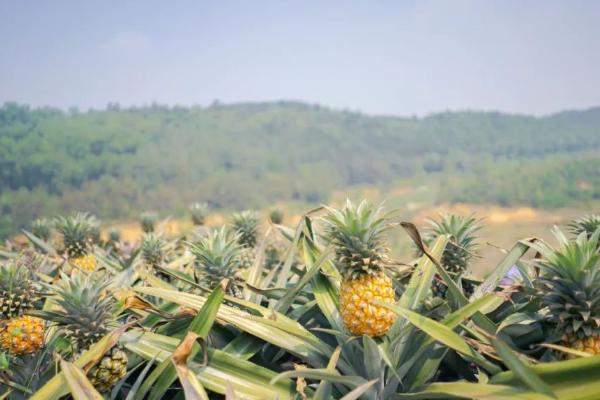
245 224
148 221
77 231
84 317
569 289
217 259
459 250
42 228
199 211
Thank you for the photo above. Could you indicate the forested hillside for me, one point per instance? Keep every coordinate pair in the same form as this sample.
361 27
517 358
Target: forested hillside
116 161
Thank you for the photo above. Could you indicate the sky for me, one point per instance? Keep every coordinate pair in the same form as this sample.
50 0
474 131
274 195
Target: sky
376 57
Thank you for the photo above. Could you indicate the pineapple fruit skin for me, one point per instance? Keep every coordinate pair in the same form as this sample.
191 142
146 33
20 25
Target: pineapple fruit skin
22 335
588 344
360 315
87 262
110 370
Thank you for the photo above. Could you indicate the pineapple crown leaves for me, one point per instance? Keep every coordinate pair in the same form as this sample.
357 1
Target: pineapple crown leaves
199 212
85 307
147 220
588 224
42 228
16 276
570 283
217 254
356 232
152 248
462 230
76 230
245 224
463 239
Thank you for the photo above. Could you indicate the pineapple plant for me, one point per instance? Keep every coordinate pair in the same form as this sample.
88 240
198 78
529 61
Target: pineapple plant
217 259
19 334
569 287
147 221
459 251
276 216
199 211
84 316
357 236
18 292
153 254
588 224
245 224
76 231
42 228
114 238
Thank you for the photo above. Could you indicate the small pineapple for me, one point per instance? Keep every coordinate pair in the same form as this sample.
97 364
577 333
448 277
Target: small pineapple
77 231
22 335
569 288
459 250
199 211
217 258
356 233
147 221
245 224
42 228
276 216
84 317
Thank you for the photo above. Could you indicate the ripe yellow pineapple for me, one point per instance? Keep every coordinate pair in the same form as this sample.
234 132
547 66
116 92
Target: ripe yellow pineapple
356 232
569 288
77 231
22 335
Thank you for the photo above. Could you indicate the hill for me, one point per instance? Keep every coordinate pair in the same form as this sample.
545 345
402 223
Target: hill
117 161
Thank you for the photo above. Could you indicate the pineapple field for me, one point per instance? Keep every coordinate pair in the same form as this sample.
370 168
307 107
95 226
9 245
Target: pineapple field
320 305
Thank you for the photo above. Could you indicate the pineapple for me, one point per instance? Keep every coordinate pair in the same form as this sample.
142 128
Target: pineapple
19 334
199 211
84 317
153 254
458 252
42 228
147 221
245 224
22 335
356 233
276 216
569 288
77 231
217 258
588 224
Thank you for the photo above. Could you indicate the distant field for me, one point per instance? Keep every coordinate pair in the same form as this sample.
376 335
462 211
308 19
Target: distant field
503 226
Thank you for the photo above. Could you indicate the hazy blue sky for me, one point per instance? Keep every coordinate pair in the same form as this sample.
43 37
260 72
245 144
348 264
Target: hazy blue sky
393 57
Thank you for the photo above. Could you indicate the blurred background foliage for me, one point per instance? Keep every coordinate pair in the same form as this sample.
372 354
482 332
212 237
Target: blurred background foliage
117 161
